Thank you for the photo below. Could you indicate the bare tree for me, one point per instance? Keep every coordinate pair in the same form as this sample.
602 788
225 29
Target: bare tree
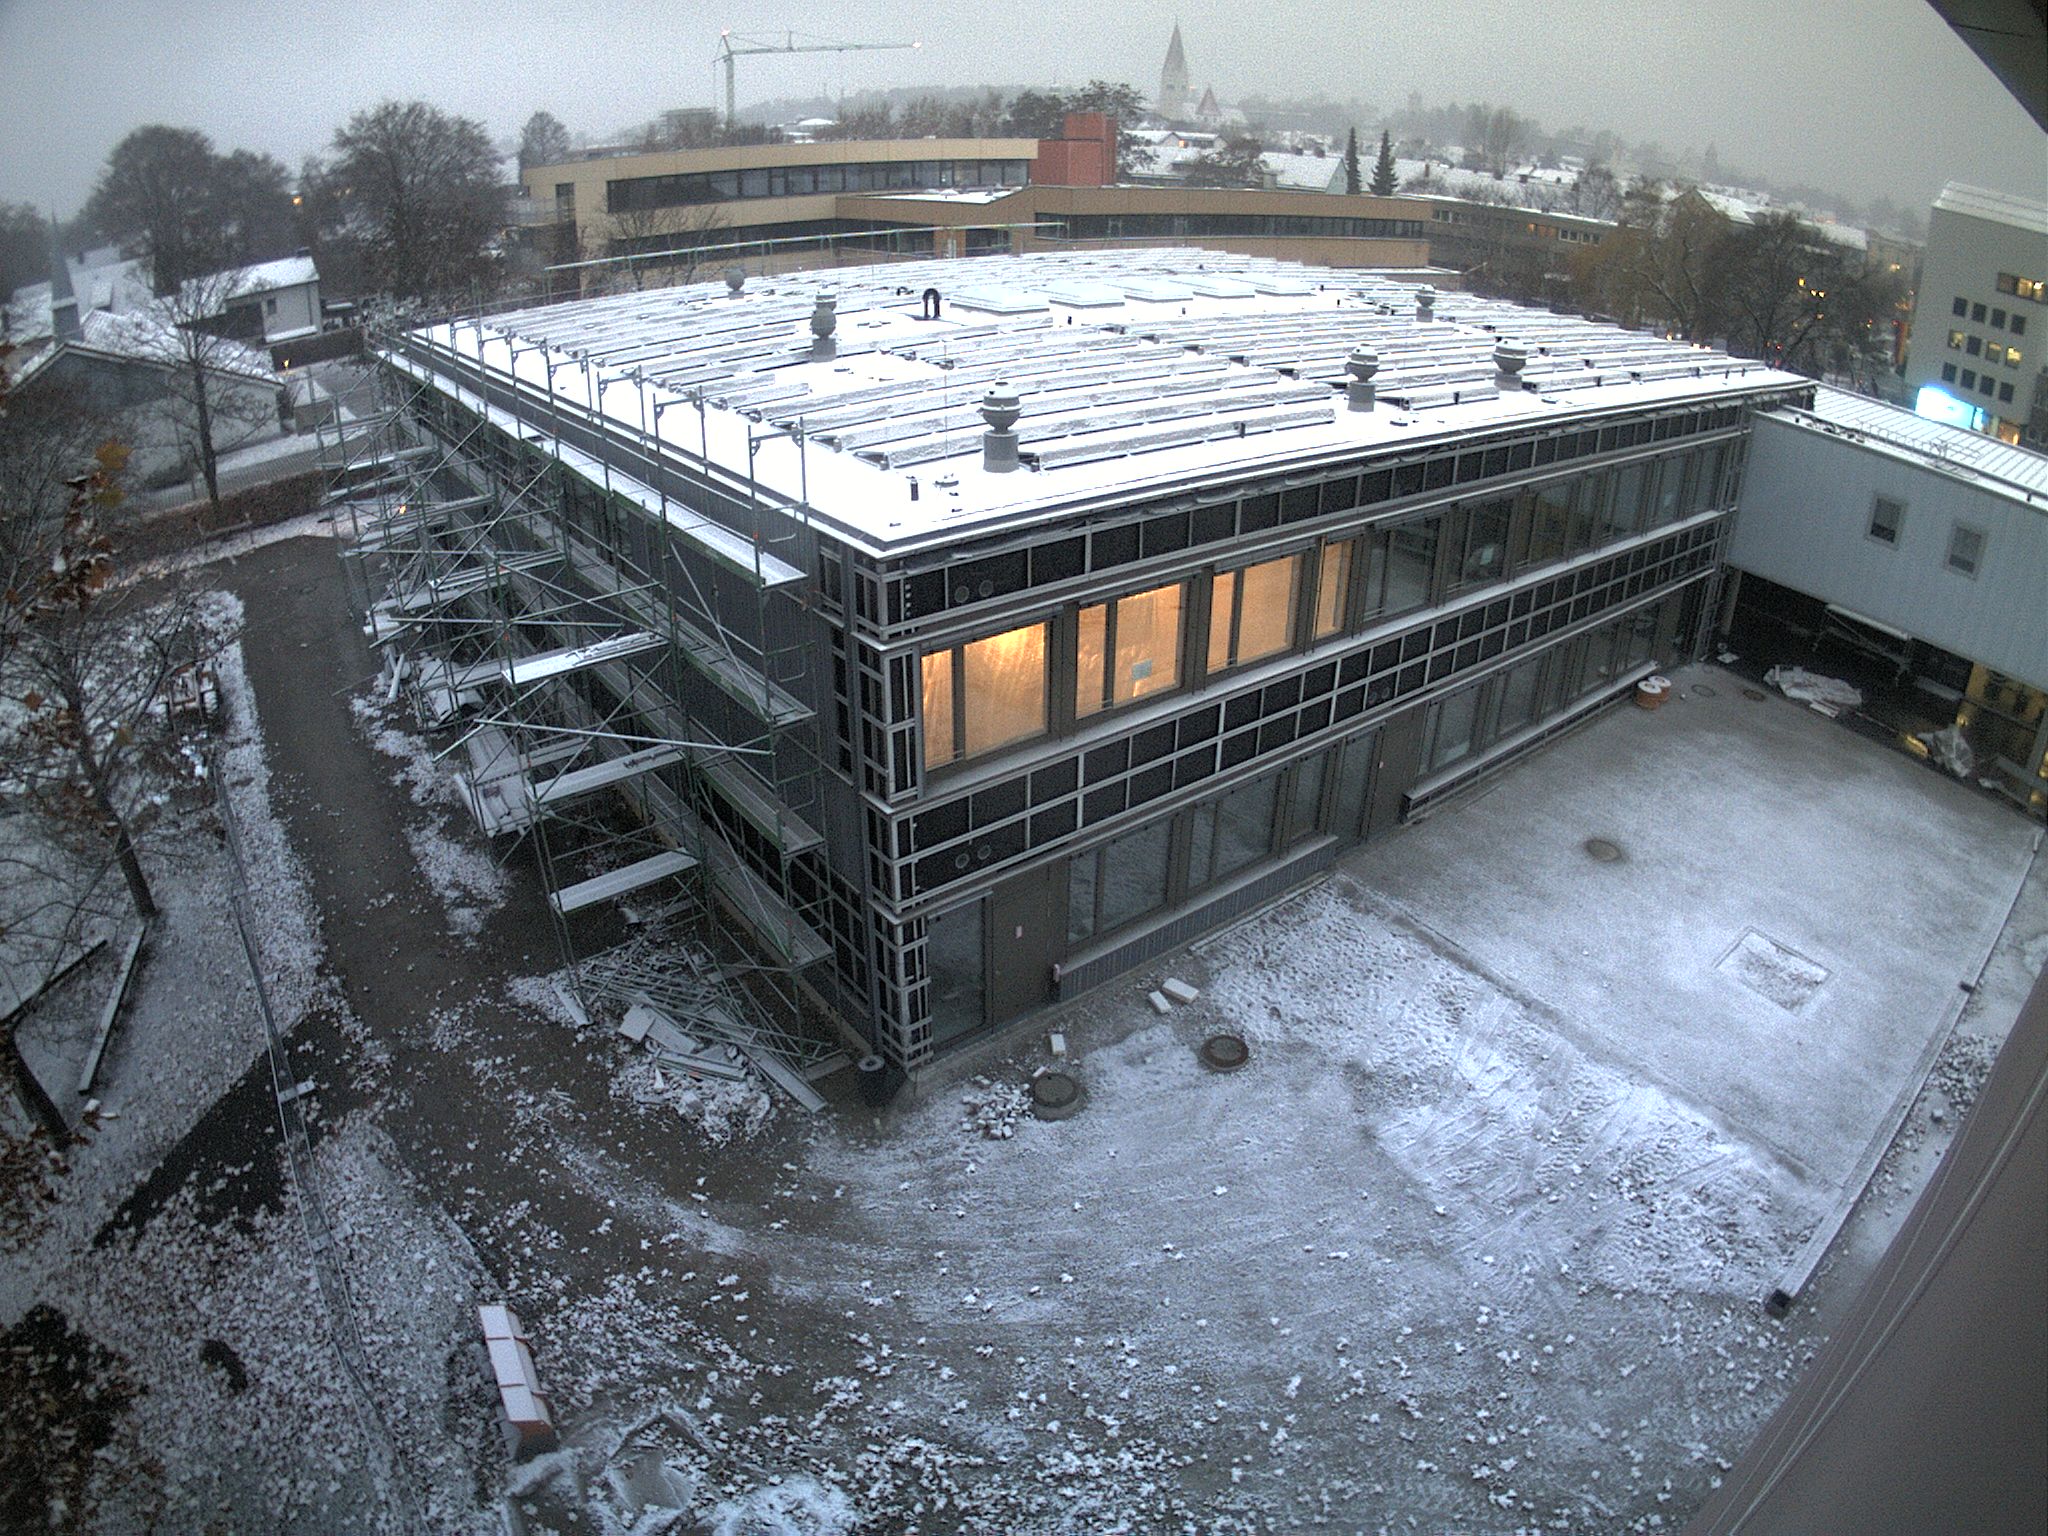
222 392
417 190
155 196
1501 135
668 243
1595 193
543 141
84 670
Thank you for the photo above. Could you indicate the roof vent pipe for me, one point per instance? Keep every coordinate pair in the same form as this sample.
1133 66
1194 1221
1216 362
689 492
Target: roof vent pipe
824 321
1362 364
1509 357
1000 408
1425 303
735 279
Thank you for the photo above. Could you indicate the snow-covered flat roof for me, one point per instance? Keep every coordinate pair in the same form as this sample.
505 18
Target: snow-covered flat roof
1931 444
1140 373
2001 207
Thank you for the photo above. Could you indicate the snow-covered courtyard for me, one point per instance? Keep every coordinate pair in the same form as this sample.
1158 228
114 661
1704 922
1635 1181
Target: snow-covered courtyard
1477 1239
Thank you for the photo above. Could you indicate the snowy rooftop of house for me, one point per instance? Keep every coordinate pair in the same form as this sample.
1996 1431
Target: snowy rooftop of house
269 276
1141 373
2003 207
1525 186
1306 173
116 285
1972 456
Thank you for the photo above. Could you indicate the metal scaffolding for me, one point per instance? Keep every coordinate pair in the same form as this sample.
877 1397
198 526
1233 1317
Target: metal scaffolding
624 683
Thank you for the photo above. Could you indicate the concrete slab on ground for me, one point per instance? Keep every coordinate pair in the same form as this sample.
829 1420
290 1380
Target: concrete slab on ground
1790 921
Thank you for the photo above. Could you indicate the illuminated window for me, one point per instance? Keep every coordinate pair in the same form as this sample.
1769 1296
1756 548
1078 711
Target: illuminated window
1886 516
1955 341
1127 649
2012 357
1333 583
938 709
984 695
1251 612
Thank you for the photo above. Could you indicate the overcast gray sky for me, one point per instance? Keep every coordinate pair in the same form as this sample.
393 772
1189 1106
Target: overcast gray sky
1868 97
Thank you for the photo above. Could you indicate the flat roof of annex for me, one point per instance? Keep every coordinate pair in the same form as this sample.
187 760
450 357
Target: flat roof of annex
1140 373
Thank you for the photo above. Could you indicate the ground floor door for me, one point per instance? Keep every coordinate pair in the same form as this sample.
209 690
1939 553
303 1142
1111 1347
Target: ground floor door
1394 767
1026 924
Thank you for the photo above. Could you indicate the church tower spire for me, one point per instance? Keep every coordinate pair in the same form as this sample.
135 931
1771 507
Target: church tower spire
1173 79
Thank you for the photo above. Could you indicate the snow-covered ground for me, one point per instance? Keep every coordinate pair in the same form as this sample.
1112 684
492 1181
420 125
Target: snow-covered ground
1475 1241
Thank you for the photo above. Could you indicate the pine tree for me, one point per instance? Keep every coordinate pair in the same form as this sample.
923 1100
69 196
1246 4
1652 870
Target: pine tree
1352 184
1384 181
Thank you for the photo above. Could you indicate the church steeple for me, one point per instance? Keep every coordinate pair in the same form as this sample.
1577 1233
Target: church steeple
63 302
1173 79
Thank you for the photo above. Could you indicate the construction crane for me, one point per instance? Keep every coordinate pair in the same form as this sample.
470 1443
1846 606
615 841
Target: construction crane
730 47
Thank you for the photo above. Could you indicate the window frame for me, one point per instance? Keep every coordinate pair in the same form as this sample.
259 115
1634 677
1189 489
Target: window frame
1891 537
1231 661
956 654
1975 567
1108 703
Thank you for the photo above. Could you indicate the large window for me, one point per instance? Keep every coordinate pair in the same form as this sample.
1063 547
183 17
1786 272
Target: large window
1550 514
1127 648
1232 833
1251 612
1118 883
1486 544
984 695
1451 727
1411 563
1333 583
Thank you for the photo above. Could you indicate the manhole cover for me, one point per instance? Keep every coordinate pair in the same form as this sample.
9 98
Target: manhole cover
1703 690
1754 695
1054 1095
1224 1053
1603 850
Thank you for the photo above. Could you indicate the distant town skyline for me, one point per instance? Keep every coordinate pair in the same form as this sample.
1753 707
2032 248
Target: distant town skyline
1868 100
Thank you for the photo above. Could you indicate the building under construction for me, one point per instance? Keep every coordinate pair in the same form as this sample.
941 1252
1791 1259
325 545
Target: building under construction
905 648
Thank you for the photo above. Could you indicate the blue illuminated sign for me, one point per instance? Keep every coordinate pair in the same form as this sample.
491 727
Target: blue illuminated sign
1937 404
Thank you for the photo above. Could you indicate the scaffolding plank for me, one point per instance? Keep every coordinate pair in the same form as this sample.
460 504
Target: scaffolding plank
742 682
575 658
777 1071
619 882
781 826
581 781
433 592
770 919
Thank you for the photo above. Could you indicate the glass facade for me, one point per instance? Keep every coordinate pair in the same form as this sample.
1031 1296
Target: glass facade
983 695
1251 612
1127 648
637 192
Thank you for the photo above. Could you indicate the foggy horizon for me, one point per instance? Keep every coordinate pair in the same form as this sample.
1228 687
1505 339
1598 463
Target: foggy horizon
1865 101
